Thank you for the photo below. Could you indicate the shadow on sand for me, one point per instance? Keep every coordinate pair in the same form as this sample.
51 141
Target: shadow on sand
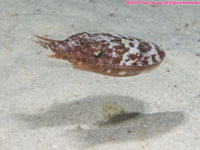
132 124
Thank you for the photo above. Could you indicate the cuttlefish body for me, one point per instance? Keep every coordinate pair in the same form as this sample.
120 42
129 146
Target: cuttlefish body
107 54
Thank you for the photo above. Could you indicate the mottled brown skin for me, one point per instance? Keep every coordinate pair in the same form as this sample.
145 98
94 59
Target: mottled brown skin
96 56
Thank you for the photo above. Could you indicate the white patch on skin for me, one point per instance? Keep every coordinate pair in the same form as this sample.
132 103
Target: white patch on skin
114 54
101 38
152 52
139 63
56 43
150 61
106 38
71 43
112 44
122 73
86 36
49 47
61 47
132 50
108 71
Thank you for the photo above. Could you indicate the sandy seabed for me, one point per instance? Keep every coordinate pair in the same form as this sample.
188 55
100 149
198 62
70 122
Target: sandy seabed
45 104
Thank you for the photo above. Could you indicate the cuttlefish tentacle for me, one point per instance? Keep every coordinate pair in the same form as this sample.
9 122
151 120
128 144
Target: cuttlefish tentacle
44 42
50 44
47 43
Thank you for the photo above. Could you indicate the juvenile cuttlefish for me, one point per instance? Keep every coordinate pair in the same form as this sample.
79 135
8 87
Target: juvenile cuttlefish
107 54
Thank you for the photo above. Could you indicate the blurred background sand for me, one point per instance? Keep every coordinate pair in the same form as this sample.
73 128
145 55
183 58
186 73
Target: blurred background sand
45 104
